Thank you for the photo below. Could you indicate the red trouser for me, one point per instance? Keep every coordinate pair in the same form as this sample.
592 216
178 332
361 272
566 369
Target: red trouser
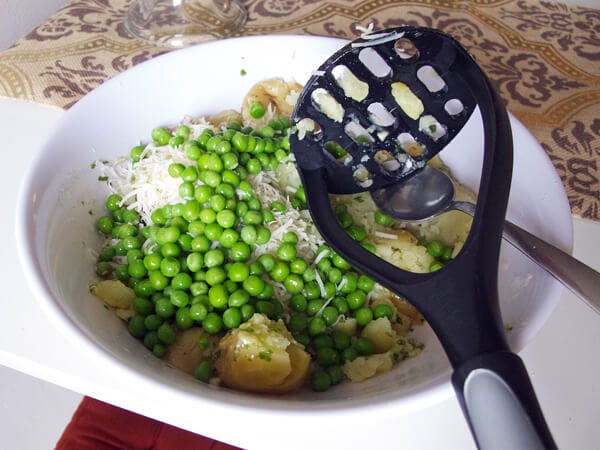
99 426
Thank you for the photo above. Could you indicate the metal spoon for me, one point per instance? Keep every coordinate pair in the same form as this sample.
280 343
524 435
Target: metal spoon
430 192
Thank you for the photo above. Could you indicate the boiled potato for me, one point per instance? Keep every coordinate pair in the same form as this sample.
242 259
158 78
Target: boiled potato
276 95
262 356
365 367
381 333
113 293
185 353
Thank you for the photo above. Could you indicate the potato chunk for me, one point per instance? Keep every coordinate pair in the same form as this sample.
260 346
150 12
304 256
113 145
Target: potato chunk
113 293
185 353
276 95
262 356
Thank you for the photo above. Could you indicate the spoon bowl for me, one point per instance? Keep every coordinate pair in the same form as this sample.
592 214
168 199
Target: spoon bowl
426 194
430 192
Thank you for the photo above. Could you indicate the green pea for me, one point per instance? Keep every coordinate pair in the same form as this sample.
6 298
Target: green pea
253 285
364 346
356 299
311 290
161 135
198 312
293 283
192 150
327 356
181 281
320 380
248 311
176 141
158 280
280 271
195 261
166 333
230 162
170 249
330 314
240 141
363 316
232 318
365 283
175 170
158 216
314 306
113 202
238 272
341 340
286 251
189 174
335 275
212 323
435 266
170 266
240 251
203 371
263 235
179 298
383 219
183 318
316 326
105 225
213 231
167 235
215 276
253 166
383 310
218 296
136 152
136 269
152 322
349 354
349 283
357 232
202 193
200 243
297 323
226 218
447 254
298 303
210 178
136 326
253 218
298 266
435 248
217 202
229 238
278 207
238 298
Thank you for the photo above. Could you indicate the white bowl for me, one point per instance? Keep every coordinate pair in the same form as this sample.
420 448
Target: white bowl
55 228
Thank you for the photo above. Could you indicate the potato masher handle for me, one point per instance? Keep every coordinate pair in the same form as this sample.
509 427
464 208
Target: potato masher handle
499 402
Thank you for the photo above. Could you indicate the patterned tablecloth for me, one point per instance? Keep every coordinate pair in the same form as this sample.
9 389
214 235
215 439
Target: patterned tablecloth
544 59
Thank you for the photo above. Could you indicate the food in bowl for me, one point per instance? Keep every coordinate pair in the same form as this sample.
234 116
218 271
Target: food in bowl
212 259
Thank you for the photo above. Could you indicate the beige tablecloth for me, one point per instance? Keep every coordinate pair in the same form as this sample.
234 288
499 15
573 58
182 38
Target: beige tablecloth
544 59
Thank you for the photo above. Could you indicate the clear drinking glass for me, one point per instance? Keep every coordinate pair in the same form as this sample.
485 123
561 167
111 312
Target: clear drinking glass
179 23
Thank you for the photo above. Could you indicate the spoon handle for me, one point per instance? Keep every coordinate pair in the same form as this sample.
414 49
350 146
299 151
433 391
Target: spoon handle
582 280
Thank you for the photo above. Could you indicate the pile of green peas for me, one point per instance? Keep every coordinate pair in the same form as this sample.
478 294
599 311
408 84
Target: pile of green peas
194 266
191 266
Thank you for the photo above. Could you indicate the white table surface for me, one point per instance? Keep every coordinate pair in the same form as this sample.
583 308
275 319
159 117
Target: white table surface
562 360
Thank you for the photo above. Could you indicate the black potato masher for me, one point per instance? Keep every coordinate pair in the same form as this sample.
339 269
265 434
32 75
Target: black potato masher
374 113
